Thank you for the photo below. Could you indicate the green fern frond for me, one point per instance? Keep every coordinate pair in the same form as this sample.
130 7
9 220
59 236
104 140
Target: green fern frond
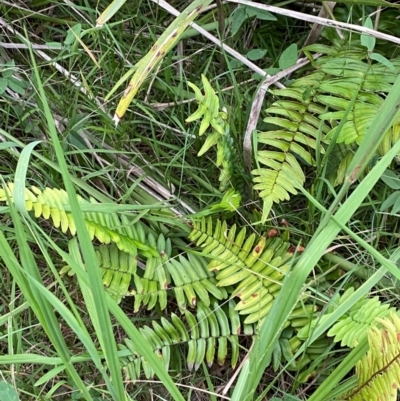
205 335
253 271
351 329
117 269
275 185
105 227
188 278
378 373
354 324
308 114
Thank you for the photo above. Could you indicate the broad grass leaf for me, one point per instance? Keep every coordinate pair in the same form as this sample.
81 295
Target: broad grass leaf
72 34
383 60
239 17
260 14
367 40
3 85
396 206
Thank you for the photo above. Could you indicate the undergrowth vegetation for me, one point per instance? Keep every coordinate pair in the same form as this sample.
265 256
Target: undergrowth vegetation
199 204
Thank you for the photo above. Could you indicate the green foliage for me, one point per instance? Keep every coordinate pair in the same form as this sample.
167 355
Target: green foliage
7 392
378 373
242 13
391 179
164 44
188 278
117 269
211 116
206 336
353 326
251 268
336 102
8 79
105 227
202 306
240 265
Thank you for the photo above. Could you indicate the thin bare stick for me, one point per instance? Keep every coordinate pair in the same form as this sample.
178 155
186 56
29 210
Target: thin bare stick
377 18
318 20
235 374
213 39
35 47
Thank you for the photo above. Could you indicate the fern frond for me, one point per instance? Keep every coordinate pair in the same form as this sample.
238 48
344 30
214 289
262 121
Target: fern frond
205 335
105 227
253 267
308 114
211 117
117 269
378 373
354 324
187 277
351 329
276 184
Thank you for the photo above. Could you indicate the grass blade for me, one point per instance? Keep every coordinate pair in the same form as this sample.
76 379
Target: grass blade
163 45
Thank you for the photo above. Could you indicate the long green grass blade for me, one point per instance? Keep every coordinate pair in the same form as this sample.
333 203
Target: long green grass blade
42 308
99 312
109 12
103 330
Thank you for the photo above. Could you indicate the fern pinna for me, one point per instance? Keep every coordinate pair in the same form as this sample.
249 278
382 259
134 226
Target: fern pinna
345 87
212 117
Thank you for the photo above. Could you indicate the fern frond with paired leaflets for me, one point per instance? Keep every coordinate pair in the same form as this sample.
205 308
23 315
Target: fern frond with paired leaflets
117 269
378 373
53 204
208 336
211 117
188 278
350 329
307 115
254 267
